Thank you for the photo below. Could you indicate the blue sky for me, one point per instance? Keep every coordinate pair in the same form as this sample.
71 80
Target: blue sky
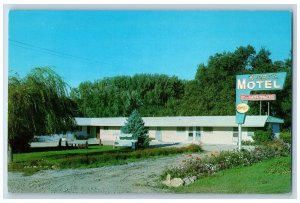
90 45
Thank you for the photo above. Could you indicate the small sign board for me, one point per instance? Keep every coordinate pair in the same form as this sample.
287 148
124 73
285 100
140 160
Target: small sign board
259 97
242 108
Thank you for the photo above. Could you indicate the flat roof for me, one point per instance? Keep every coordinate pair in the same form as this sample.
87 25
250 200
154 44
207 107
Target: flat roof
182 121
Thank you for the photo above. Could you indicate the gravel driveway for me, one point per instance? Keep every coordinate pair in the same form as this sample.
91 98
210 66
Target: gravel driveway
137 177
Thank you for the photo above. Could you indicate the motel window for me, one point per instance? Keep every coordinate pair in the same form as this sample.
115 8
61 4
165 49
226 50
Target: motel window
191 133
180 129
235 134
208 129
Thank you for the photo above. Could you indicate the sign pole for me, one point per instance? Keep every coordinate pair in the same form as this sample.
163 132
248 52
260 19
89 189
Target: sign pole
260 108
268 108
240 136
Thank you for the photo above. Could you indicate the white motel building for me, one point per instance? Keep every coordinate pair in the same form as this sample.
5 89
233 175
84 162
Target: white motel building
182 129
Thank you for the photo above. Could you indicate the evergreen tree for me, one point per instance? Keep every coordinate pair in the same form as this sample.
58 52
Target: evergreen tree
136 126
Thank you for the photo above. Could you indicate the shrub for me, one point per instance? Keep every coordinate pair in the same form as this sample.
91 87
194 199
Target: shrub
248 143
116 157
286 136
228 159
262 136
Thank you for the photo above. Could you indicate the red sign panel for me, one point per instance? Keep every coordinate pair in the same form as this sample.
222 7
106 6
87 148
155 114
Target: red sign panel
259 97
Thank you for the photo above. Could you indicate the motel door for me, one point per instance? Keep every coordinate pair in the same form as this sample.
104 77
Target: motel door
194 133
158 134
197 133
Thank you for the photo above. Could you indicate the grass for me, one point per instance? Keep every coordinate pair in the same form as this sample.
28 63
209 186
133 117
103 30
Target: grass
94 156
52 156
268 177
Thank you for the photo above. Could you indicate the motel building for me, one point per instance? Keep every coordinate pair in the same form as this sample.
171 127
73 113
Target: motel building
181 129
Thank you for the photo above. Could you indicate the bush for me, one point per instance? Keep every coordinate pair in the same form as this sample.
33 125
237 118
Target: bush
286 136
248 143
262 136
228 159
121 157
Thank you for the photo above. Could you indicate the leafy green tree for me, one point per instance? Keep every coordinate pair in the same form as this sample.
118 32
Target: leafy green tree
283 106
120 95
261 62
37 104
135 126
213 90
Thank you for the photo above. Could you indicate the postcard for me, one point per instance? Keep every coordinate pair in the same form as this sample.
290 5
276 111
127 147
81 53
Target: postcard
112 102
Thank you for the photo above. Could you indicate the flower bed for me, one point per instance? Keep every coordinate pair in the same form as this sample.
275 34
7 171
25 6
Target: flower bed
228 159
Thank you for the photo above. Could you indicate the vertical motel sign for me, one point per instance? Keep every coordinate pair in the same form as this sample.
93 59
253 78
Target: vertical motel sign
255 82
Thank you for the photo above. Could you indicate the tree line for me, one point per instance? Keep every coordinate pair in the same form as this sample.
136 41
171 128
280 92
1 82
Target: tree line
42 103
210 93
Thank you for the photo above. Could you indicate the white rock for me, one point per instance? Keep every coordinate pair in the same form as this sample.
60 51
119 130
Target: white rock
168 178
167 181
194 178
176 182
187 181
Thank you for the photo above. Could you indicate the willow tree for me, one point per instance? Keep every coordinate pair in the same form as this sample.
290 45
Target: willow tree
38 104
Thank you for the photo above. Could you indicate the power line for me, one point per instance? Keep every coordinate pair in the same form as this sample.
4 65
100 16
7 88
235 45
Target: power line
48 51
52 52
24 47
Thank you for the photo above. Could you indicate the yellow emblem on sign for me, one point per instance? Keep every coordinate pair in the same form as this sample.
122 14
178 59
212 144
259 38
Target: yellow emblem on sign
242 108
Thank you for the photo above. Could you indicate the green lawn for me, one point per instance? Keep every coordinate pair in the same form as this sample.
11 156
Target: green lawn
268 177
55 155
32 162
